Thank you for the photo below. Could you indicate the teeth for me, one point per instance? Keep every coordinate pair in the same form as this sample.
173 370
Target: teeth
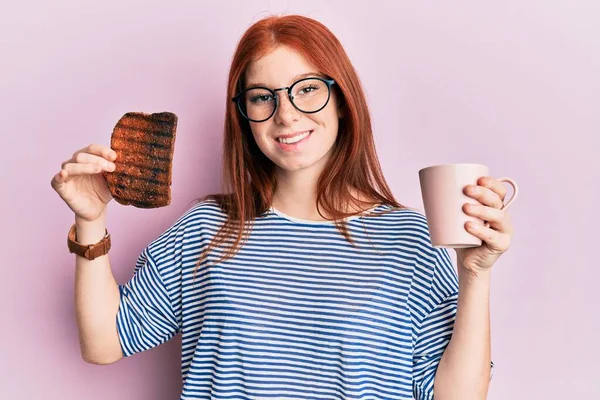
294 139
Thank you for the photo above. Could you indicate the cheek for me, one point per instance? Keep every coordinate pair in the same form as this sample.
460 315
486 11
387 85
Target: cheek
333 112
260 134
330 121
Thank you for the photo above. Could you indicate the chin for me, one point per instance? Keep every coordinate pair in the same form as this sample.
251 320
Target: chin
293 167
299 165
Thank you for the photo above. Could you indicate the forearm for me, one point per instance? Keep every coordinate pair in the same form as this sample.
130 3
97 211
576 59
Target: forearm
96 299
464 370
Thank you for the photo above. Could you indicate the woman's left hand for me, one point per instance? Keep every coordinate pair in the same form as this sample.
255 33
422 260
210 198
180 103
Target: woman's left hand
496 239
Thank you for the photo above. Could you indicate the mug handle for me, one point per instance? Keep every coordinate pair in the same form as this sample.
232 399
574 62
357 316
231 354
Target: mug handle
514 196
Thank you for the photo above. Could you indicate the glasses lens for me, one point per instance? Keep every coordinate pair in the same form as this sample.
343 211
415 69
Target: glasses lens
310 95
257 103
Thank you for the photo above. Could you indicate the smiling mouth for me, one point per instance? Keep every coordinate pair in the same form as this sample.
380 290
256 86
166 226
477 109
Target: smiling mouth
295 139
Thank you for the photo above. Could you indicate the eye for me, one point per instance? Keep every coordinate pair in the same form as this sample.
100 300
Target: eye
261 98
308 89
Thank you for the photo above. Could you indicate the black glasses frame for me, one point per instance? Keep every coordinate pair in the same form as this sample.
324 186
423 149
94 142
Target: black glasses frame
238 98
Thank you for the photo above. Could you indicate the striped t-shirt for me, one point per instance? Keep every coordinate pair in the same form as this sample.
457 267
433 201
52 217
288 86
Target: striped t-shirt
298 313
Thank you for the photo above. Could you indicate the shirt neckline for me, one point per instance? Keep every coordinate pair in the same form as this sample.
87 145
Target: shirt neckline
283 215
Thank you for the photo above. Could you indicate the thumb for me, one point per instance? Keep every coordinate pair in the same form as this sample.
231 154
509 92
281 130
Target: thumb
58 180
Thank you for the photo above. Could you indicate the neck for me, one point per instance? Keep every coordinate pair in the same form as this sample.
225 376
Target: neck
296 193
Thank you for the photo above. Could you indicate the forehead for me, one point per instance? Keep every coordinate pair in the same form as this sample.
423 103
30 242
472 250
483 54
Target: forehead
280 67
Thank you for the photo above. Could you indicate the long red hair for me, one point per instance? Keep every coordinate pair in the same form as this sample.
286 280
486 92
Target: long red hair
248 176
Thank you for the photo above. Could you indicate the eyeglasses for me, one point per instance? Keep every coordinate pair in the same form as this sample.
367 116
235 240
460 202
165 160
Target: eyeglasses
308 95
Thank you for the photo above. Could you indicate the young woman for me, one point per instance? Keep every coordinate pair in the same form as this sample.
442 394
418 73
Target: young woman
304 278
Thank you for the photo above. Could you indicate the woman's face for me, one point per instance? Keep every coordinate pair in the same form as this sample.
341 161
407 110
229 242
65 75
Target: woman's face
281 68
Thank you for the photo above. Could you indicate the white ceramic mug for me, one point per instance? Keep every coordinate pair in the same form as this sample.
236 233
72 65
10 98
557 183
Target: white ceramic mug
443 199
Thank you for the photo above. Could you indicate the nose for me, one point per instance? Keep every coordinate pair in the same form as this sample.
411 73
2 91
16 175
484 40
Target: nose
286 113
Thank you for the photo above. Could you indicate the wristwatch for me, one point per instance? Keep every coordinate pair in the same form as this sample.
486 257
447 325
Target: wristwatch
90 251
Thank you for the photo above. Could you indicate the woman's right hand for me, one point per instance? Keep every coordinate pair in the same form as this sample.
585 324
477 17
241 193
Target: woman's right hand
81 184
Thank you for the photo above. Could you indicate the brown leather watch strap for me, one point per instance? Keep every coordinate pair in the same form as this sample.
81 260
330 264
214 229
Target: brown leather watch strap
90 251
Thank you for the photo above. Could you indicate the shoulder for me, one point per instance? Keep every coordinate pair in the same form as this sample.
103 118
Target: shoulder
409 229
403 216
404 221
195 221
207 211
433 269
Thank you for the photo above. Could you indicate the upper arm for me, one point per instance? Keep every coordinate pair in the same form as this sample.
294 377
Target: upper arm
146 316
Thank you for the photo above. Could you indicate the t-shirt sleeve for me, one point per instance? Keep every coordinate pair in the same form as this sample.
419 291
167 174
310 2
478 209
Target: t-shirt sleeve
150 303
435 310
433 329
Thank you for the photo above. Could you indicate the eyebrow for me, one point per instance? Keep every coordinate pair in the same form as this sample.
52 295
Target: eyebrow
294 79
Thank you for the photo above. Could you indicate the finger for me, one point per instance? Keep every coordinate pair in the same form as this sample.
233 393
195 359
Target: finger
484 195
102 151
98 150
87 158
78 169
494 185
496 241
58 179
497 219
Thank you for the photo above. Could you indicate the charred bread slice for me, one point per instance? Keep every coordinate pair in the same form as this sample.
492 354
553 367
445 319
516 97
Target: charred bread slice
144 144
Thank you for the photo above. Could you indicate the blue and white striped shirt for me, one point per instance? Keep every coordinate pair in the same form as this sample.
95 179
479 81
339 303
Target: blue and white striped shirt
298 313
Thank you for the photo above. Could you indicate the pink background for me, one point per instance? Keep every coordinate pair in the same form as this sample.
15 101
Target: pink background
514 85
